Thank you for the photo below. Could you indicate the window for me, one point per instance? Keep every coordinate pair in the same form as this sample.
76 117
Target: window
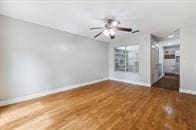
127 58
120 53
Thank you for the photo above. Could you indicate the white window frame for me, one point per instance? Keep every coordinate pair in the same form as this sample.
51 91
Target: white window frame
125 68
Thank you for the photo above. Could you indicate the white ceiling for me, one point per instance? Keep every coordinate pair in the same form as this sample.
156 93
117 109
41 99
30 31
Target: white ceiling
159 18
163 36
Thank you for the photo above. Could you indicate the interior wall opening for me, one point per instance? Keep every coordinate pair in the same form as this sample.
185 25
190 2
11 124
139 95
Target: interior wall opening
165 60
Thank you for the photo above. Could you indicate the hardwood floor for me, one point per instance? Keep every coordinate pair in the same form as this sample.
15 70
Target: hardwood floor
102 106
169 81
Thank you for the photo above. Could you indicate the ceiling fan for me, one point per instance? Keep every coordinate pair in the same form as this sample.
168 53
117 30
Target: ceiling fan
110 27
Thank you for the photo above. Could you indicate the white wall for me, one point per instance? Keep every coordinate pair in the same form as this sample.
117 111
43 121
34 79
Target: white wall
188 57
143 77
34 58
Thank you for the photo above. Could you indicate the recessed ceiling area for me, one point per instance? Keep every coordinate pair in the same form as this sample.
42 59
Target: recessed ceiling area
78 16
168 36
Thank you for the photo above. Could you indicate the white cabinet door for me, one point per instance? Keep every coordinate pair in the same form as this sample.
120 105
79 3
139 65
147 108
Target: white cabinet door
169 65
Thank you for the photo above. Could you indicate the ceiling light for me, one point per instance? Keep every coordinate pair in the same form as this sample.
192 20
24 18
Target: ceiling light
115 23
157 45
106 33
171 36
112 32
109 32
169 43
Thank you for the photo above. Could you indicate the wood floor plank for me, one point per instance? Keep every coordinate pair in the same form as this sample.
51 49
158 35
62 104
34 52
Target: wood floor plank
169 81
101 106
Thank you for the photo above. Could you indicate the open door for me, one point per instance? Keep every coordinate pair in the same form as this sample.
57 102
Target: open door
154 64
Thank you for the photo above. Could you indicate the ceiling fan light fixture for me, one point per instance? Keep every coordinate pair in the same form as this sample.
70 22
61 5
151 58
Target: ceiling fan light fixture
110 27
106 32
112 32
115 23
109 32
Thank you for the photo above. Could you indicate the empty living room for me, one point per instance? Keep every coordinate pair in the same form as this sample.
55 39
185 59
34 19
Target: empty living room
97 64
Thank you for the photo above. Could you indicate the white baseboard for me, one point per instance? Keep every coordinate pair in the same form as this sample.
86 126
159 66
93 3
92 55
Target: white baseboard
47 92
193 92
131 82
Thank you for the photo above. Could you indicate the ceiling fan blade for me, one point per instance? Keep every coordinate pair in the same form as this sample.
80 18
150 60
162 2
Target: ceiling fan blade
135 31
97 28
98 34
124 29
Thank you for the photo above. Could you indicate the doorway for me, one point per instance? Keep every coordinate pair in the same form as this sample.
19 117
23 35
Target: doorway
165 61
